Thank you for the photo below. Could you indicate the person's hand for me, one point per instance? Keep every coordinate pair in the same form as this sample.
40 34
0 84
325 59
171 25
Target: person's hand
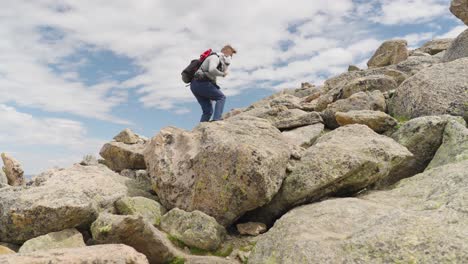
226 73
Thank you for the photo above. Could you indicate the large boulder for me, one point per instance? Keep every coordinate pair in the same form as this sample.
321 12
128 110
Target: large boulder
194 229
436 46
13 170
369 83
359 101
304 136
343 161
149 209
422 219
454 146
220 168
389 53
421 136
414 64
58 199
440 89
136 232
119 156
376 120
460 9
458 49
109 254
68 238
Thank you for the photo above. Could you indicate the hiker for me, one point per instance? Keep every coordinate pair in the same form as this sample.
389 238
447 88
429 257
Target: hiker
204 86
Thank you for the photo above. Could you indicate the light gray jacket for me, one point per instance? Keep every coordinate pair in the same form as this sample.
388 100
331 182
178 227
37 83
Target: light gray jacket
209 68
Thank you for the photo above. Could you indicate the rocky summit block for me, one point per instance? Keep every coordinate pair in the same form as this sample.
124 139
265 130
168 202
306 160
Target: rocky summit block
109 254
440 89
13 170
421 220
194 229
58 199
120 156
68 238
460 9
458 49
343 161
221 168
389 53
376 120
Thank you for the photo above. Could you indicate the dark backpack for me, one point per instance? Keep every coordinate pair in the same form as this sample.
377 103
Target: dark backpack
189 72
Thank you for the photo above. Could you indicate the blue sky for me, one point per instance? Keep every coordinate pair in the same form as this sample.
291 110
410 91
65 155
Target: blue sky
75 73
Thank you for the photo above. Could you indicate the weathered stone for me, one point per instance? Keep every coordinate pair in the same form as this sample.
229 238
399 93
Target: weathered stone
251 228
343 161
58 199
13 170
221 168
194 229
120 156
418 53
460 9
390 52
141 179
127 136
454 146
436 46
3 178
304 136
440 89
89 160
299 121
422 136
5 250
369 83
109 254
149 209
353 68
414 64
422 219
134 231
13 247
359 101
458 49
69 238
376 120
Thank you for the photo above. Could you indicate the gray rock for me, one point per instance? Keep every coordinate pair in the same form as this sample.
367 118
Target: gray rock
119 156
343 161
440 89
369 83
68 238
127 136
298 121
389 53
304 136
414 64
194 229
458 49
435 46
58 199
376 120
460 9
422 219
13 170
221 168
149 209
109 254
454 146
251 228
141 179
359 101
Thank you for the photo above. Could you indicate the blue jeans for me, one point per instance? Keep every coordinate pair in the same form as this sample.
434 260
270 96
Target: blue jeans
205 92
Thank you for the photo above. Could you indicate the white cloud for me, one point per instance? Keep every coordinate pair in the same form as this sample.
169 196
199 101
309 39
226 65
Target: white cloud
414 40
393 12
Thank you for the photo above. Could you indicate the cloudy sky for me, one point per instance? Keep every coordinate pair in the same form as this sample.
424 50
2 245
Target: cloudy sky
75 73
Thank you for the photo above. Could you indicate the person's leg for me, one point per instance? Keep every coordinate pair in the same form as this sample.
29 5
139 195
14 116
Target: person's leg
213 92
204 102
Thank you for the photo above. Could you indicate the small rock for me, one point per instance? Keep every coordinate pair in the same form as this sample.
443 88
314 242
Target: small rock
251 228
127 136
382 83
89 160
353 68
376 120
147 208
69 238
13 170
303 120
389 53
195 229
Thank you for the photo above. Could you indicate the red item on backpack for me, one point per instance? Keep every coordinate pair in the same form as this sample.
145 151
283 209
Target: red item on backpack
205 55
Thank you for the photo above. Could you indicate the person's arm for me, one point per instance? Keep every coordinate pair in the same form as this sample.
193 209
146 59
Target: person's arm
213 62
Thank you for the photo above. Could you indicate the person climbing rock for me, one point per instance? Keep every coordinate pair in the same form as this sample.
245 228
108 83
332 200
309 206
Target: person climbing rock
204 86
